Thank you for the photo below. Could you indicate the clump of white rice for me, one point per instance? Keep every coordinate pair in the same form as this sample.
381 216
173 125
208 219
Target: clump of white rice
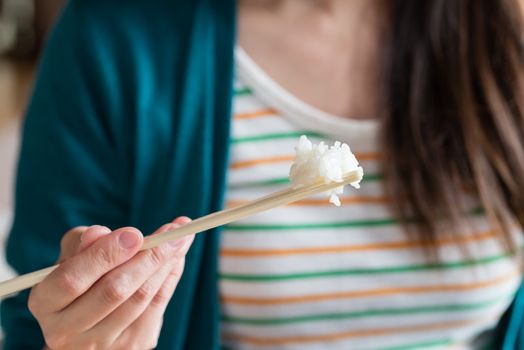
315 163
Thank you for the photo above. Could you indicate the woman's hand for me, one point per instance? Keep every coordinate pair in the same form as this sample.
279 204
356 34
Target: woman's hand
106 294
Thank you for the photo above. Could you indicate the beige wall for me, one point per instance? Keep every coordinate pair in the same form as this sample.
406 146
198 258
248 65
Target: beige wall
8 152
16 77
15 84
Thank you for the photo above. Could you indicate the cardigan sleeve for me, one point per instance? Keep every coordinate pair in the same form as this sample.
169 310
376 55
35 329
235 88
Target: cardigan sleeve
113 135
72 166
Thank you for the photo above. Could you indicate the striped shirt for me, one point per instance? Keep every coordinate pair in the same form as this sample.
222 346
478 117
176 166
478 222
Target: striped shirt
314 276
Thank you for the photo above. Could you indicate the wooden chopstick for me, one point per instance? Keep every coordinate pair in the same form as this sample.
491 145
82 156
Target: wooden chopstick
199 225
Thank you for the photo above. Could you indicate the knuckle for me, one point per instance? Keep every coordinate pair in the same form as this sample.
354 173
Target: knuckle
156 256
165 293
71 234
69 283
115 290
161 298
104 258
143 294
178 269
32 303
56 340
176 273
101 344
133 345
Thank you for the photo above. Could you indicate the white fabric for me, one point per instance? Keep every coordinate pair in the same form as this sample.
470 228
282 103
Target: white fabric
284 279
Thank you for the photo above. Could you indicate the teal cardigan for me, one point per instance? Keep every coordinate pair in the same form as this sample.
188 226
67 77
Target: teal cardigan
129 125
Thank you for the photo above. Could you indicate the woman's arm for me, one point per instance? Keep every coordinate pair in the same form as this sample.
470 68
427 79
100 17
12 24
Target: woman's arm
73 166
129 125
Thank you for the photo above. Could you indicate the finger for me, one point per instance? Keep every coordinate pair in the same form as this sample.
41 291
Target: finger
149 323
77 274
91 235
154 312
164 294
182 220
118 285
119 320
70 241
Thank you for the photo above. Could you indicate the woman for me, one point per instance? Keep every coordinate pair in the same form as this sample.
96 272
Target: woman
130 124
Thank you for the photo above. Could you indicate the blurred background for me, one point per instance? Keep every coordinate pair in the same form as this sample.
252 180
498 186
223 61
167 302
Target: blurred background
24 26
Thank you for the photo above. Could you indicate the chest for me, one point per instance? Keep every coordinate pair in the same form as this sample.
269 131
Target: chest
311 275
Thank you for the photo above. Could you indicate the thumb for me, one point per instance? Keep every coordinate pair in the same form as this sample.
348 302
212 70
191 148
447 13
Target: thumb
91 235
79 238
70 242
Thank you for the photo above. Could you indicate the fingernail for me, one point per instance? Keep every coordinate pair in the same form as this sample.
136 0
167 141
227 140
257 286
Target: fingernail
183 220
128 239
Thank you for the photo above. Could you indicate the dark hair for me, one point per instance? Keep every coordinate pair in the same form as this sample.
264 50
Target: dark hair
455 120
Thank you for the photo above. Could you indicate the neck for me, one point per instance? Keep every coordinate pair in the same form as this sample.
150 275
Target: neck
343 15
325 52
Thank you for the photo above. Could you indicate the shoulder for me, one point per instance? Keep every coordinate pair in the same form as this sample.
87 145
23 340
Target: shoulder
153 26
138 8
154 13
135 15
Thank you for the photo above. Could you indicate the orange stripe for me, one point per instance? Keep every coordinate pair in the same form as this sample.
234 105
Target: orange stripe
366 293
323 202
289 158
264 341
368 156
232 252
256 114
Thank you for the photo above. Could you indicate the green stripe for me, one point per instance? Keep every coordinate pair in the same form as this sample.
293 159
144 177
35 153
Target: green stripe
265 137
372 177
361 314
324 225
310 226
489 346
428 344
365 271
271 182
285 180
439 343
244 91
